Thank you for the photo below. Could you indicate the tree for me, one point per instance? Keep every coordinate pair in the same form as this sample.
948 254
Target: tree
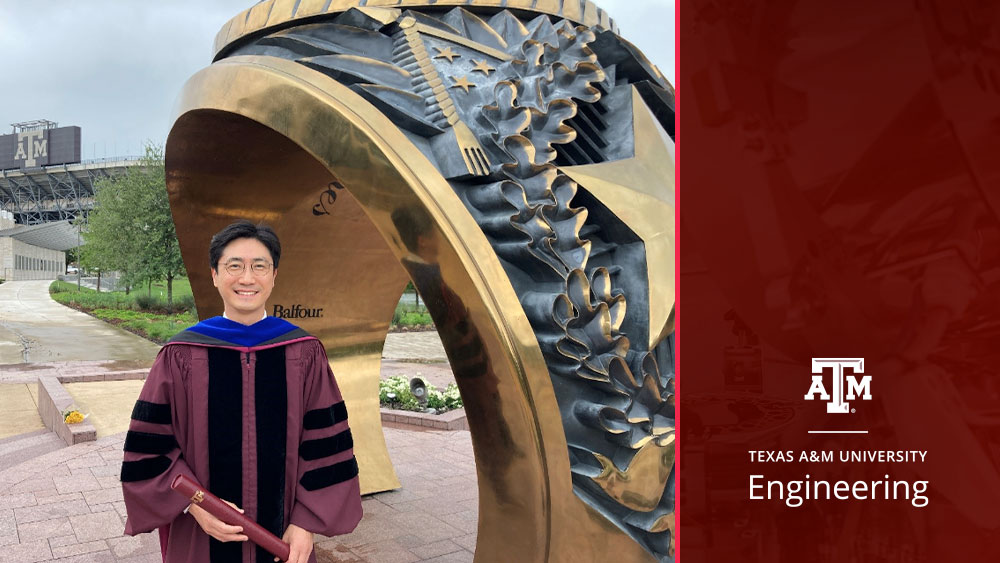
112 231
131 229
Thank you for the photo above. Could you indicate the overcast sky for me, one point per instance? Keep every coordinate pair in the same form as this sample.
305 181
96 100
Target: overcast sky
115 67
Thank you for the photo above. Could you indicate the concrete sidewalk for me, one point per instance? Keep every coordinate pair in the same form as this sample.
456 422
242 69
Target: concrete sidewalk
19 391
34 328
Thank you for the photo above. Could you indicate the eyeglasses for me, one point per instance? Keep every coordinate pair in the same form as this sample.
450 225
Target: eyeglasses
258 268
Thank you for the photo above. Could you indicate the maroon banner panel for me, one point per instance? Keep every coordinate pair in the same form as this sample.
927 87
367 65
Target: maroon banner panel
839 261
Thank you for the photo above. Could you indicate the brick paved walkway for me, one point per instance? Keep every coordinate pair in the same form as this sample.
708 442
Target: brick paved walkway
67 506
433 517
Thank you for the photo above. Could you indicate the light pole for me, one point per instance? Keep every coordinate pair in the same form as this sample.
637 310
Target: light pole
79 263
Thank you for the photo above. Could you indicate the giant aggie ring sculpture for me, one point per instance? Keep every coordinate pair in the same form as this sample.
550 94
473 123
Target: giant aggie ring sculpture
514 159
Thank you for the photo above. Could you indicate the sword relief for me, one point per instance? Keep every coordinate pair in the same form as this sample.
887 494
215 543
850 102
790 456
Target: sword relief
411 54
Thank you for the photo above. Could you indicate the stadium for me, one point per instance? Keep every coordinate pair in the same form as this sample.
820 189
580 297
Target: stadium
44 186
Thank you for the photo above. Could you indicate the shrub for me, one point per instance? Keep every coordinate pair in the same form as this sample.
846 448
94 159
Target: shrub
88 299
409 315
61 286
154 326
156 304
161 330
184 303
146 302
394 392
144 315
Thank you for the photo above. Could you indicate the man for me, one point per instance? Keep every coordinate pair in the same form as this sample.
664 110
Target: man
246 405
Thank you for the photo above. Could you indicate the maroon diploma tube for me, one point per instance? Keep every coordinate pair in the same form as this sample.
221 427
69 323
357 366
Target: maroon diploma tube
218 508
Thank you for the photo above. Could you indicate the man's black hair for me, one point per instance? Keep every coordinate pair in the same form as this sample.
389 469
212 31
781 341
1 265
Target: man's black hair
244 229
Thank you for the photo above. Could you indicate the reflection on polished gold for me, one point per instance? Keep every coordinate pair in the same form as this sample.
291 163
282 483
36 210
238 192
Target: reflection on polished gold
640 190
641 485
351 139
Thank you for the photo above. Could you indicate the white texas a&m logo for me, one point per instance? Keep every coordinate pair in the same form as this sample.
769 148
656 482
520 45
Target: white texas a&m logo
845 387
31 145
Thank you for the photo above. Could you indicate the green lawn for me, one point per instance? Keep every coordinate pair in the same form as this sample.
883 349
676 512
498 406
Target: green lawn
182 288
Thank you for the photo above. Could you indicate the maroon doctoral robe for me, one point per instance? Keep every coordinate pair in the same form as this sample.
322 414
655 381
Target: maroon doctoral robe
254 414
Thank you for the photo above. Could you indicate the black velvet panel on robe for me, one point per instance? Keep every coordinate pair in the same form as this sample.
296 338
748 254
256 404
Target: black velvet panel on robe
225 438
272 411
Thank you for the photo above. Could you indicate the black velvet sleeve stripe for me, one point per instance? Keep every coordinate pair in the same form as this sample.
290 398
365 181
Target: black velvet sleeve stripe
144 468
149 443
326 447
323 418
157 413
330 475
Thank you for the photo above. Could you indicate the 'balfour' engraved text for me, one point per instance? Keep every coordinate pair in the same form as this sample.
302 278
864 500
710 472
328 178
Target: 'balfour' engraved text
296 312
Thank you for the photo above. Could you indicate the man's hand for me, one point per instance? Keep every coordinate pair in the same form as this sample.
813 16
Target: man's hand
215 527
301 542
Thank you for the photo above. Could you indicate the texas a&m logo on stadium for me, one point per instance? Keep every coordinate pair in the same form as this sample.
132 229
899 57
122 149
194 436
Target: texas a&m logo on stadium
843 387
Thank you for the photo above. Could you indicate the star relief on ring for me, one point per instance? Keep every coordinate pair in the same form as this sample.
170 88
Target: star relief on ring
462 83
640 191
446 53
482 66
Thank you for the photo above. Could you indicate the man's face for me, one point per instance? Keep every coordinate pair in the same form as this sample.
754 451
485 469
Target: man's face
245 278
